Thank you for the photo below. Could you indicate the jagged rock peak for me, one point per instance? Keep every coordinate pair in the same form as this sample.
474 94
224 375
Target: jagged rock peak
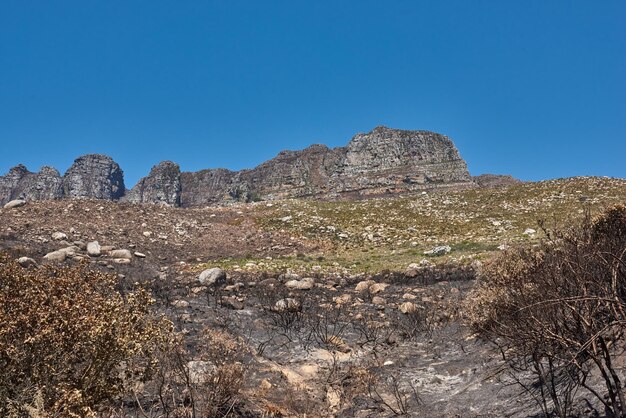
20 183
94 176
161 186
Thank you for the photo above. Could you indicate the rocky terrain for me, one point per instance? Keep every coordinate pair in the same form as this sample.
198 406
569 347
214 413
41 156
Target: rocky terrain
346 308
382 162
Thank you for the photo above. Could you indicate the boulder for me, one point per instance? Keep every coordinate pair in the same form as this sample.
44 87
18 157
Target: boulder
94 249
57 256
212 276
125 254
304 284
26 262
58 236
439 250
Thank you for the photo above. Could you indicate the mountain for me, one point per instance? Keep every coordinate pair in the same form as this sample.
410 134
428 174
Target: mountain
382 162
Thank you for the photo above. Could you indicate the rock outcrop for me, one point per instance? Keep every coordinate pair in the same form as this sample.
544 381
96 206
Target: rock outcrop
383 161
161 186
495 180
20 183
94 176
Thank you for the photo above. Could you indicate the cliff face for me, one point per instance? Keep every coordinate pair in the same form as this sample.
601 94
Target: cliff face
161 186
20 183
94 176
383 161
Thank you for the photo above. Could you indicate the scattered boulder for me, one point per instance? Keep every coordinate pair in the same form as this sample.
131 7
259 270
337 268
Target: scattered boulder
408 307
377 288
287 304
439 250
232 302
212 276
304 284
125 254
15 204
58 236
26 262
57 256
364 285
94 249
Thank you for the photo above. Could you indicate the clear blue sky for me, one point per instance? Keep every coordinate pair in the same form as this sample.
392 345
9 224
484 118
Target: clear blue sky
532 88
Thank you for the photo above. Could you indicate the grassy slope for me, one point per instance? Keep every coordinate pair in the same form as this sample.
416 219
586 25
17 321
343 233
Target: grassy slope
377 234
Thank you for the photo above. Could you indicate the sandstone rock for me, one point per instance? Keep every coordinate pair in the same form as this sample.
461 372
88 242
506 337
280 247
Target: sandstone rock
377 300
94 249
26 262
212 276
180 304
408 307
364 285
94 176
161 186
125 254
304 284
440 250
287 304
55 256
377 288
15 204
58 236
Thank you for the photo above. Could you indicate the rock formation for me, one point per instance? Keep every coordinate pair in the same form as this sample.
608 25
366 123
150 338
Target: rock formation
383 161
94 176
20 183
161 186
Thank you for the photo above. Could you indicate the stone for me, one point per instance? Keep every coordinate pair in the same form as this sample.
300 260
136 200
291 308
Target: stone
304 284
26 262
125 254
287 304
180 304
377 288
212 276
58 236
55 256
407 307
438 251
364 285
94 249
139 255
121 261
377 300
15 204
529 231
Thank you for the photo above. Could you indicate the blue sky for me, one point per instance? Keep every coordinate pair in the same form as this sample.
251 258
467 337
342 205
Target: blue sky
533 88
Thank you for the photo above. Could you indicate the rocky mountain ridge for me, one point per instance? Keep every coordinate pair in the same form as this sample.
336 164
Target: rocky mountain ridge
382 162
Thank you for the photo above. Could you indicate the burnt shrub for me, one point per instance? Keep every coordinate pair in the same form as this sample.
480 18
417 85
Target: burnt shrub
557 312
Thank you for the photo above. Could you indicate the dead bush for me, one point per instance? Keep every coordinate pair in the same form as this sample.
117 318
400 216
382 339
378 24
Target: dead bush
558 311
69 342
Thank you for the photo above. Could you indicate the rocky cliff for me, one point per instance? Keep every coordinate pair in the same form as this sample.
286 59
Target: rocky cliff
94 176
383 161
161 186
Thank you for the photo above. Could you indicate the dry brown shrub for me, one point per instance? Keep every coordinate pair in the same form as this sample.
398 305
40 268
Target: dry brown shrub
70 343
